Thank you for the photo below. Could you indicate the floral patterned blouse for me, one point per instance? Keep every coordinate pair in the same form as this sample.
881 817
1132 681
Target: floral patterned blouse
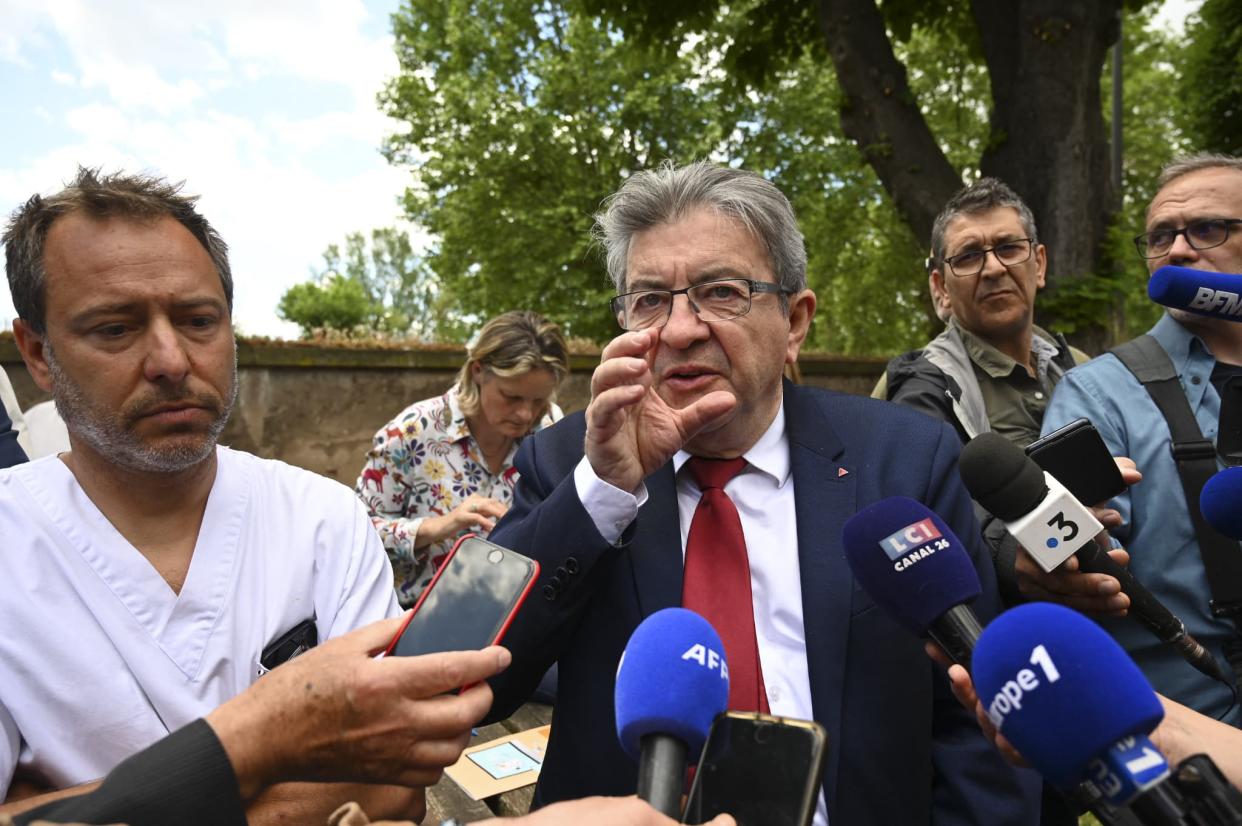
424 463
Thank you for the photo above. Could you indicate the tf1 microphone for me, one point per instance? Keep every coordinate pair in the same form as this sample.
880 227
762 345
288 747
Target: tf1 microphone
1212 294
1071 702
1052 525
1221 502
672 681
909 561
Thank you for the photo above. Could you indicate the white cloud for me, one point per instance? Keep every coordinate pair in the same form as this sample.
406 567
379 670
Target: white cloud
140 86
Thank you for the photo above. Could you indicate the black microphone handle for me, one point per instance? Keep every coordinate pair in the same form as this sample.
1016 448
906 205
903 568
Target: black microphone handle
956 631
1150 611
662 773
1161 805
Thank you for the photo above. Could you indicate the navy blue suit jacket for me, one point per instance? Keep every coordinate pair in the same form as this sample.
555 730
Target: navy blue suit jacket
901 751
11 452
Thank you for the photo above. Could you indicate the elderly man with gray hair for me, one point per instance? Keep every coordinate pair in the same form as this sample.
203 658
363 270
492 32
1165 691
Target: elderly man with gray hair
699 477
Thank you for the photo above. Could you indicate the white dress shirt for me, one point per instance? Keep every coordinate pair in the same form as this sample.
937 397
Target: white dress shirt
764 496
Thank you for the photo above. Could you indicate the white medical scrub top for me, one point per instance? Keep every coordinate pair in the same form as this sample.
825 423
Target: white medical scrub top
99 658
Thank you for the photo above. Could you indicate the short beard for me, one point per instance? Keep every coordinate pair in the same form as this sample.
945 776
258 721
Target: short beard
109 433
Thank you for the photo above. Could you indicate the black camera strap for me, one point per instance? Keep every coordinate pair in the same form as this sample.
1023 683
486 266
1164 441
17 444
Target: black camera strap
1195 457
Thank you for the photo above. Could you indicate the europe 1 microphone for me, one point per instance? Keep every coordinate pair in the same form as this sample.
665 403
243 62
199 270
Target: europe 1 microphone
1077 708
1052 526
672 681
916 570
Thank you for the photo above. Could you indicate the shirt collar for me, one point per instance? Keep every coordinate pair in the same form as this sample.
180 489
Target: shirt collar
1190 356
457 429
1180 343
999 365
768 455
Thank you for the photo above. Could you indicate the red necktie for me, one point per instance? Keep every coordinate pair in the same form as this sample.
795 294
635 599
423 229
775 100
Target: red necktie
716 583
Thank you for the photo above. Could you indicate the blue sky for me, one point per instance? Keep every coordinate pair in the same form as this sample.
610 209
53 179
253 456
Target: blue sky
265 109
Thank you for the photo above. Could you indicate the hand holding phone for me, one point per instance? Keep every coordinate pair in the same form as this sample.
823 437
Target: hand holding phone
470 602
1078 458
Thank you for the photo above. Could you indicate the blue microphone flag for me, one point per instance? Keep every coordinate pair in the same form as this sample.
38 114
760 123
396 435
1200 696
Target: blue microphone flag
672 679
908 560
1060 689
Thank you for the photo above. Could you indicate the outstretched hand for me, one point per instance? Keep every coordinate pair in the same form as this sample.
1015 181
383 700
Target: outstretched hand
337 714
631 431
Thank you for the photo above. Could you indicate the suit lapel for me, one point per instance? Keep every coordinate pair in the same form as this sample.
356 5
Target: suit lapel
825 500
655 550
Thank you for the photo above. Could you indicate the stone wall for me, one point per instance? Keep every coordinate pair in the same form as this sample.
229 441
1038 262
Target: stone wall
318 407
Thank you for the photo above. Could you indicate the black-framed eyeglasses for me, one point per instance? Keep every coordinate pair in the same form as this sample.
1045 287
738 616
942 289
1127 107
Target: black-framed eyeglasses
1008 253
1201 235
721 300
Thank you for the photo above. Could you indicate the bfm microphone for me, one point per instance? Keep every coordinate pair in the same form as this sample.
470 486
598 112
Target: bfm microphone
1052 525
1075 706
672 681
1211 294
1221 502
909 561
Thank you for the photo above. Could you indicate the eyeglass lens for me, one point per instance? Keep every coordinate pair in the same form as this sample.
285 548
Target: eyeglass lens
1008 253
1201 235
711 301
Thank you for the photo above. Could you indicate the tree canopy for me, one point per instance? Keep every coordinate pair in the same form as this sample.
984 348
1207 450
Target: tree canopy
374 284
523 115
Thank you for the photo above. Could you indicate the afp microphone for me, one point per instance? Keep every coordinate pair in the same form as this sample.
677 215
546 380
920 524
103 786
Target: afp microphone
1212 294
672 681
1052 525
909 561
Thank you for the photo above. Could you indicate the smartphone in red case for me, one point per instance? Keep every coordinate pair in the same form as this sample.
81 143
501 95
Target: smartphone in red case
469 603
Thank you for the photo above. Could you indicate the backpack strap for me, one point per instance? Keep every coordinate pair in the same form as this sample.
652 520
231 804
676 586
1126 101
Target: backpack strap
1195 457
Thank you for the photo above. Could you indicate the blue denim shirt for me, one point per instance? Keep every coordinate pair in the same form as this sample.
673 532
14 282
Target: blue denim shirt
1156 529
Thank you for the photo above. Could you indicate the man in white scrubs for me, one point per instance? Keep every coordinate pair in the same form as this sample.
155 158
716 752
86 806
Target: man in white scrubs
149 574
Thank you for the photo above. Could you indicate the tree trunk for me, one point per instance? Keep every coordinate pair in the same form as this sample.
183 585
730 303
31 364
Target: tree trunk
1048 140
882 116
1048 137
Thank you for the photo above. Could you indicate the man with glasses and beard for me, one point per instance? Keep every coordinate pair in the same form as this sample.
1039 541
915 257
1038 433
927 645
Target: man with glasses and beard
1195 221
150 574
991 369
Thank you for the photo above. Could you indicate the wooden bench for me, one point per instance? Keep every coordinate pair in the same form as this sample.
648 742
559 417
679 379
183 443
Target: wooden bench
446 799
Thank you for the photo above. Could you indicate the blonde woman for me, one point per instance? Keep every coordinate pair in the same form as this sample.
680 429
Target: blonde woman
444 466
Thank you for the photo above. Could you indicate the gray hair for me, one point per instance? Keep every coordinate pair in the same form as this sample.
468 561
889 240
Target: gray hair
983 195
665 194
1185 164
141 197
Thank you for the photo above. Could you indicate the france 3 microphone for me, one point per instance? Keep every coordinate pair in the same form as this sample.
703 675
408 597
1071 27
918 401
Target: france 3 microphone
672 681
914 568
1213 294
1052 525
1070 700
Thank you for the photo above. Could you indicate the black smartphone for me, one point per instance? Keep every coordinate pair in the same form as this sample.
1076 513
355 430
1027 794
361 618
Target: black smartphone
763 770
470 602
293 643
1077 456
